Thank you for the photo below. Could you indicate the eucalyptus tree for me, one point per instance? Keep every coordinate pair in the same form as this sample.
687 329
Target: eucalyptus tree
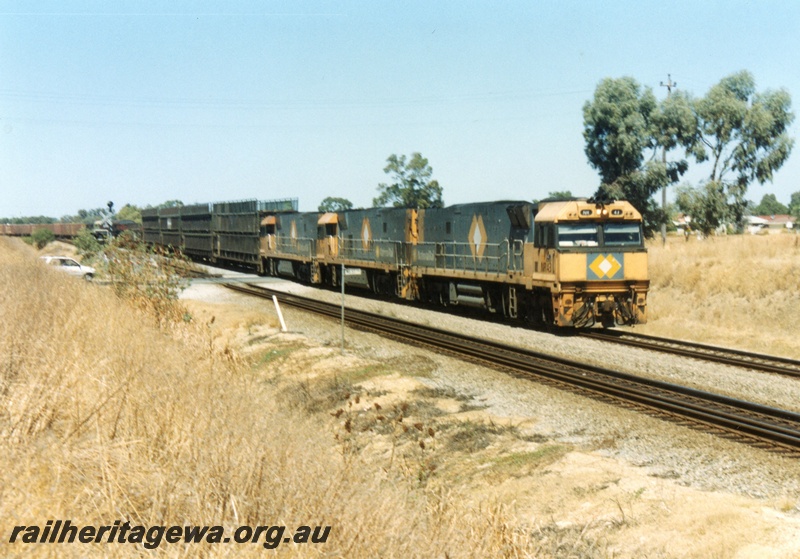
744 135
626 130
705 204
412 186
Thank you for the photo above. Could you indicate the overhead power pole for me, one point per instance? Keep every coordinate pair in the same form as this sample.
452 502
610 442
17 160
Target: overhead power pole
669 85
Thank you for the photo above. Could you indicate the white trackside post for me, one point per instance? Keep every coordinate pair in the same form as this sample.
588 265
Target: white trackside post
342 280
280 314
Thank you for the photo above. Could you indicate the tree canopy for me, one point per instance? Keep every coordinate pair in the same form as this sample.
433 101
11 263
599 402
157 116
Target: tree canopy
743 134
556 195
130 212
706 205
28 219
625 128
770 205
332 204
171 204
794 206
617 128
412 186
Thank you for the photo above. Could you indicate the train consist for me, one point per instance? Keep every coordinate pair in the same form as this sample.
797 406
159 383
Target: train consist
569 263
70 230
60 230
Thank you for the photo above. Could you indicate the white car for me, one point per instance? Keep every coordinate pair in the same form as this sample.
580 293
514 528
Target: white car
70 266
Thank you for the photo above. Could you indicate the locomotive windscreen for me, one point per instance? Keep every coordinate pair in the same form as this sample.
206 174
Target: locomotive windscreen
622 234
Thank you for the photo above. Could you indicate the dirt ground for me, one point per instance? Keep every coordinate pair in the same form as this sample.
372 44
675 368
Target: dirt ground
574 491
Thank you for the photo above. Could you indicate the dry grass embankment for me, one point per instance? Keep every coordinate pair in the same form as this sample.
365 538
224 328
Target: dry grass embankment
104 417
739 290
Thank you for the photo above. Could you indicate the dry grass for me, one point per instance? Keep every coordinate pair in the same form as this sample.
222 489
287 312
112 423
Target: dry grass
104 417
741 291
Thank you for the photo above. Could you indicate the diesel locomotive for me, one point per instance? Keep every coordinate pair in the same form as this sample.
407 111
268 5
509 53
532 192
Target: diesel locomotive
568 263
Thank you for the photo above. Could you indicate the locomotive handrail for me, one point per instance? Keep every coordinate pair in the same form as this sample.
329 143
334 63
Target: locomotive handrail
300 246
376 248
518 254
450 260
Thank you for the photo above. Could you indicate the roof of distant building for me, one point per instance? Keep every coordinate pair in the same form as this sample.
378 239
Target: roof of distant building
778 218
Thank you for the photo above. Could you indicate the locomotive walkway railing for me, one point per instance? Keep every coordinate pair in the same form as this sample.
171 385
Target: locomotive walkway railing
492 258
488 258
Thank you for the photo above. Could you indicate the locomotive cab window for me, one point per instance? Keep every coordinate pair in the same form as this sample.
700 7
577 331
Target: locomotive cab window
544 235
578 235
622 234
328 230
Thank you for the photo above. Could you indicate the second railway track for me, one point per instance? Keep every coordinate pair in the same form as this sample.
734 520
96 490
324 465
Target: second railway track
727 356
766 426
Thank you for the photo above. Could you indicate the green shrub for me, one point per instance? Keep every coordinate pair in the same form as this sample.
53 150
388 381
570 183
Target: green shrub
41 237
86 243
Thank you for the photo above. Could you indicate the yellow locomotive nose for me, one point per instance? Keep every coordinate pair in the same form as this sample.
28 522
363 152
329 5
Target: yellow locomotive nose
594 263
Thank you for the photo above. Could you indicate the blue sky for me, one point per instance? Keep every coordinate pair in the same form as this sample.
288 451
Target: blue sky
145 101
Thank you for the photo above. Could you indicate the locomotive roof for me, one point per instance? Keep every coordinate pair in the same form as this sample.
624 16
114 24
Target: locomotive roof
573 210
492 203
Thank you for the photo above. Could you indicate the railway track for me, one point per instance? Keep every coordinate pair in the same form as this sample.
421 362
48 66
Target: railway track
728 356
757 424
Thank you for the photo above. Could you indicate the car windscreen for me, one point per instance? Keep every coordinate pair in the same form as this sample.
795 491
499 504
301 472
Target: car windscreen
579 235
622 234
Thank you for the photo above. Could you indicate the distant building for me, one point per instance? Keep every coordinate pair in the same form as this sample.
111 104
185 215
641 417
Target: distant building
777 223
755 224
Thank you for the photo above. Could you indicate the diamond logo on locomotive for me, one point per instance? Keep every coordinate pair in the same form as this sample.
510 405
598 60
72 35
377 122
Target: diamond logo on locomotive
605 266
477 237
366 234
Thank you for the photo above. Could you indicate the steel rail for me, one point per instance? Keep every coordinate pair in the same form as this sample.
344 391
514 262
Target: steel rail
747 419
717 354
